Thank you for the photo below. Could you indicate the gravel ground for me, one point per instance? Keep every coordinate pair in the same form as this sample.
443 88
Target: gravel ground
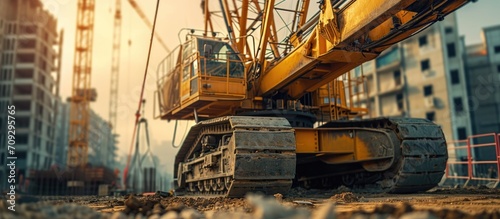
476 202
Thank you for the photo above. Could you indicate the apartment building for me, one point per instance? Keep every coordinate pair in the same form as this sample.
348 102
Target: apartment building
422 77
483 86
28 40
483 81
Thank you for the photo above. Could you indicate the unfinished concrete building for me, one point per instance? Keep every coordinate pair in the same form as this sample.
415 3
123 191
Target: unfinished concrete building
28 74
483 74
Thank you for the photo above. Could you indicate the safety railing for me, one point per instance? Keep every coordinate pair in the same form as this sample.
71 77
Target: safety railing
476 158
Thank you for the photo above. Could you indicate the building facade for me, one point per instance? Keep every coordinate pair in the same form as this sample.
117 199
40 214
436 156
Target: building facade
483 86
28 74
421 77
62 136
483 82
102 143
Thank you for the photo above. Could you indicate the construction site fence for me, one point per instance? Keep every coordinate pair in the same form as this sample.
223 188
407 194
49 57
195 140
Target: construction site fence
475 159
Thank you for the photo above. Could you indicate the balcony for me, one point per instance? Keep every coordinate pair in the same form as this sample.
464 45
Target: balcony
25 65
21 91
23 81
391 87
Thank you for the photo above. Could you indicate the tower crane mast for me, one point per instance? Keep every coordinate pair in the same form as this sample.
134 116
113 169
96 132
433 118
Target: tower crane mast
115 65
82 93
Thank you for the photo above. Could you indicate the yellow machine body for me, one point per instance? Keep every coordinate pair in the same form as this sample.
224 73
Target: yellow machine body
232 88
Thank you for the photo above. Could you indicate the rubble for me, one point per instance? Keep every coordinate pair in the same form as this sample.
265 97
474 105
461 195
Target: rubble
442 204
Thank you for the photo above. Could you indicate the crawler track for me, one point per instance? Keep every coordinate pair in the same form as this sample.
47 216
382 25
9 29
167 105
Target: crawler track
231 156
420 153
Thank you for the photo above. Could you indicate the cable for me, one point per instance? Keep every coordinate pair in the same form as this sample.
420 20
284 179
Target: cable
175 134
138 114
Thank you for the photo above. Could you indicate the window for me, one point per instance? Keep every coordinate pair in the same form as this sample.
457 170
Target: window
497 49
6 44
21 155
422 41
498 68
185 74
430 116
38 126
399 101
397 77
5 90
22 122
448 30
22 139
7 58
455 78
457 102
425 65
428 90
462 133
451 50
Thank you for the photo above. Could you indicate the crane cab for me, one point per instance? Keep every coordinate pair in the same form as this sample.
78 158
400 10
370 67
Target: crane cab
203 75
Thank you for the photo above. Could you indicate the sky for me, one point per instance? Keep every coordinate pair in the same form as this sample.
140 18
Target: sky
172 17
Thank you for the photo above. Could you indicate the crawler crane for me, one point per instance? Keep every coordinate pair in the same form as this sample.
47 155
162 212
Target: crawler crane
272 109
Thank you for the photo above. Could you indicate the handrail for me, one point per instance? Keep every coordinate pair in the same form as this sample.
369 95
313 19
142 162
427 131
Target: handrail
472 162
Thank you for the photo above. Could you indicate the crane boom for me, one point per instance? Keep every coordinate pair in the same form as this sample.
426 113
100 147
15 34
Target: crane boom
148 23
344 39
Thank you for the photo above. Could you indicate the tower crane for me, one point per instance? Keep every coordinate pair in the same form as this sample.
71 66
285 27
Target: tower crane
260 113
115 66
82 93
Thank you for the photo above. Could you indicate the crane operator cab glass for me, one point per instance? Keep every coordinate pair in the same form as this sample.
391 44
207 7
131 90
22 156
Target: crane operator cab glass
197 75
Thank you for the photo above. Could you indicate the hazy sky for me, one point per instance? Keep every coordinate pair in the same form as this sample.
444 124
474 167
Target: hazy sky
173 16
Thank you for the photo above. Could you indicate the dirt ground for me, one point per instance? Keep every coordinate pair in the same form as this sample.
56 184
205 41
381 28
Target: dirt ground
476 202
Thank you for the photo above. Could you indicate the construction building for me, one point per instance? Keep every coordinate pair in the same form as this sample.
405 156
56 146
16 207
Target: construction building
483 87
28 80
62 126
421 77
58 180
102 143
483 81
